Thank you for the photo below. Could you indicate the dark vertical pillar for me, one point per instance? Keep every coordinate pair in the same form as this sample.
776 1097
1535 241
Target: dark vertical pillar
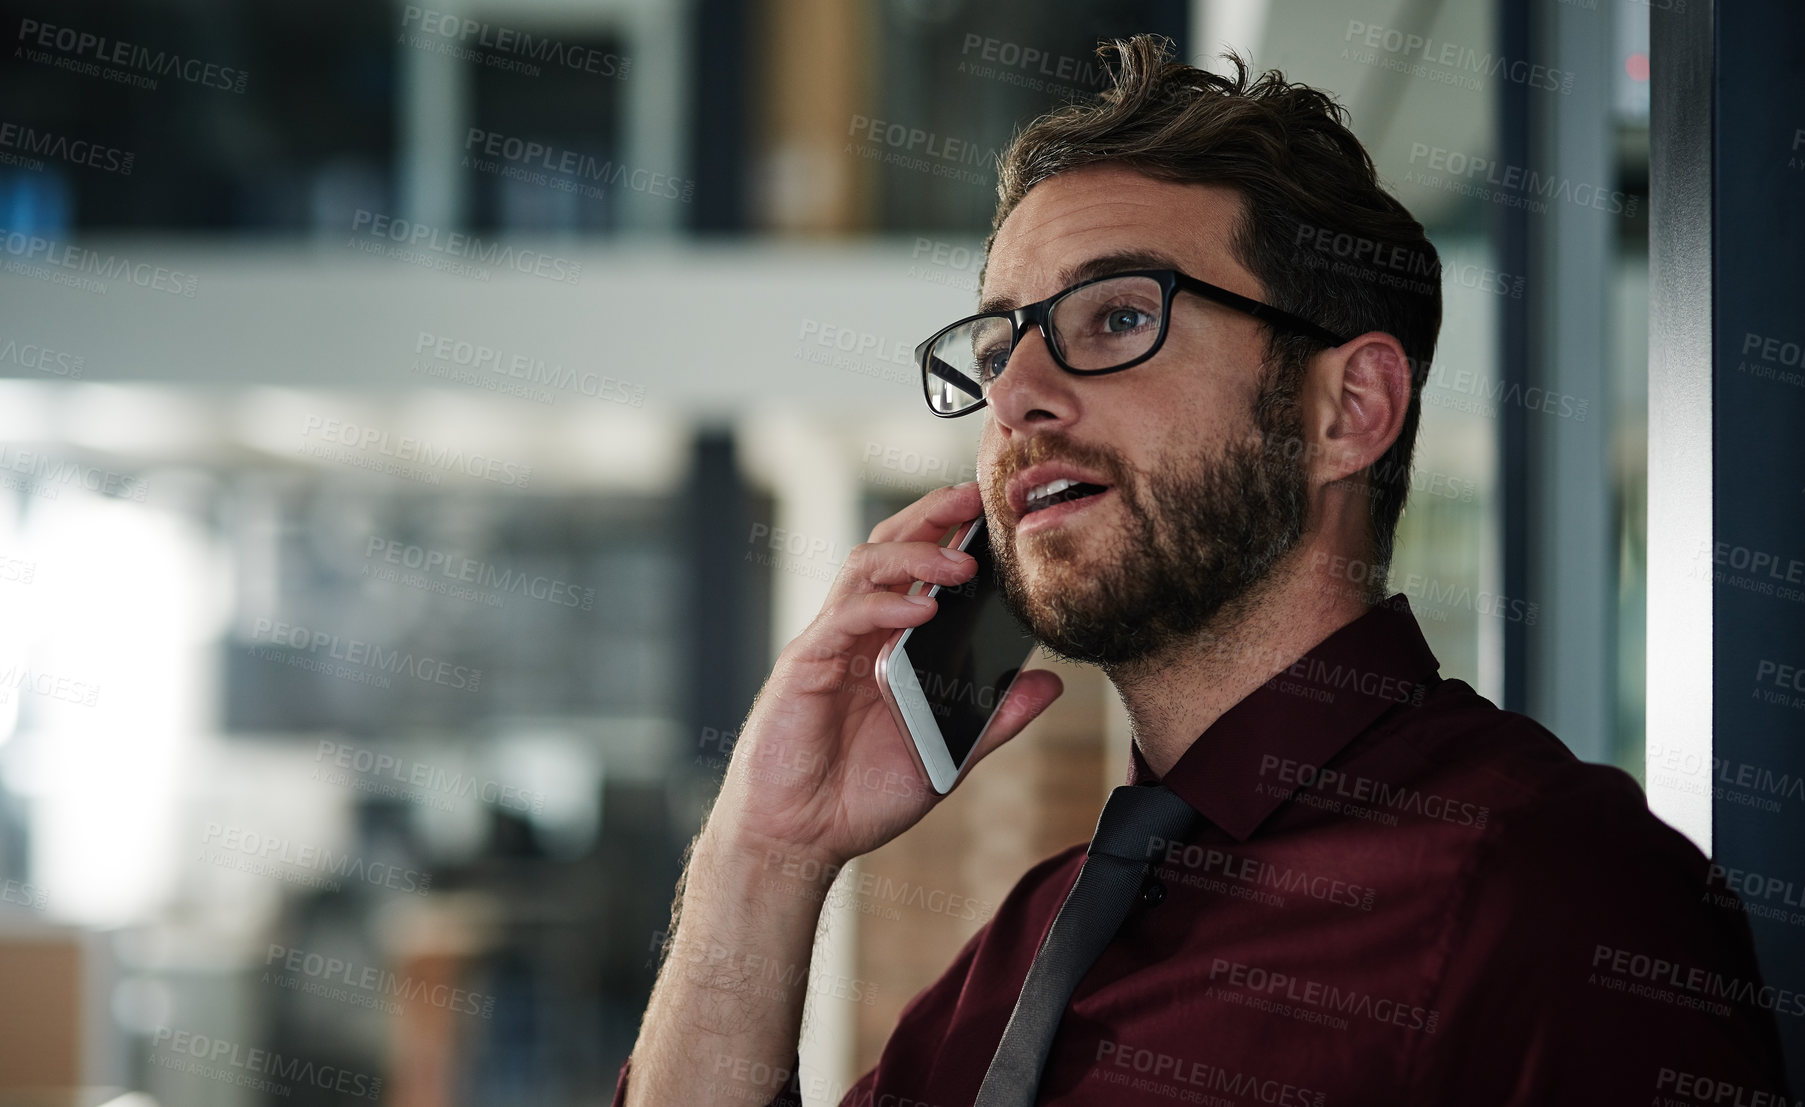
1172 18
724 655
1758 487
721 84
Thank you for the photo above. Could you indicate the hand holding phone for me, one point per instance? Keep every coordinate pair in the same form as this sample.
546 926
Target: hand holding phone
822 768
946 680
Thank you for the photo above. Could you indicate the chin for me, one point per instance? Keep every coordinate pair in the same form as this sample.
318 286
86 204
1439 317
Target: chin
1056 564
1048 551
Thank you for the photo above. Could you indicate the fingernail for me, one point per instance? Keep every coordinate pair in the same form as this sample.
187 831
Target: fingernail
957 557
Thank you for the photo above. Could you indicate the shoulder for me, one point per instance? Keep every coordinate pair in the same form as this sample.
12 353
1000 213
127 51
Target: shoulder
1582 917
1543 807
1571 869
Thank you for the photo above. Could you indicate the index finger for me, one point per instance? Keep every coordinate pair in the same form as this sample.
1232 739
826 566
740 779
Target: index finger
933 515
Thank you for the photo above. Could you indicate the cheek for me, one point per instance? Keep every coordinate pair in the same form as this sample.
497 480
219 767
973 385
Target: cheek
1178 424
988 446
1221 411
1207 385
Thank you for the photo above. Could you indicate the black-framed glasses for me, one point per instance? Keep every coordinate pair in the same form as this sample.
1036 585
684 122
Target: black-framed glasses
1103 325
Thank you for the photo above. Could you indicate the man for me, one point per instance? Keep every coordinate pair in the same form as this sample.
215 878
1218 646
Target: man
1385 890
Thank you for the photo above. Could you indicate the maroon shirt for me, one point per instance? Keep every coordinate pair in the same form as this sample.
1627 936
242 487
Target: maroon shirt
1396 894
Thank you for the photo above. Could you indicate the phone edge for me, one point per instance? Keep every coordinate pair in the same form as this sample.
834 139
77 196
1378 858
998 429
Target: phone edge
960 539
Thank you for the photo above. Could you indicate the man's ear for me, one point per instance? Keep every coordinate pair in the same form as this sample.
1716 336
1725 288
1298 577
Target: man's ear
1356 396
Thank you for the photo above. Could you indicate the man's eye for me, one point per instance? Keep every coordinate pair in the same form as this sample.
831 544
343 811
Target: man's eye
992 364
1120 319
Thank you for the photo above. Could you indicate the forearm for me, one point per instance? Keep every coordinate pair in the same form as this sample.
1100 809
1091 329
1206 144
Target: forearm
725 1014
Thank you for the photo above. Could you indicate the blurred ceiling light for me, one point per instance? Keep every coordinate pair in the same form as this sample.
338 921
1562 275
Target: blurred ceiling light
146 420
280 421
627 450
28 411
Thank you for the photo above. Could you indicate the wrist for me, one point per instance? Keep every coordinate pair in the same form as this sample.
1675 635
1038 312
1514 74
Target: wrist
726 847
733 835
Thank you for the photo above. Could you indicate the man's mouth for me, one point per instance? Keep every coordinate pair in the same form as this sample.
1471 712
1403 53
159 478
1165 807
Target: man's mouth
1060 491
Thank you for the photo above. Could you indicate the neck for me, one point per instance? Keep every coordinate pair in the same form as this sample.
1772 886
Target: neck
1175 695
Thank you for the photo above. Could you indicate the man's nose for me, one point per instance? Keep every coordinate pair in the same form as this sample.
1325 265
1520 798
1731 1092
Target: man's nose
1032 389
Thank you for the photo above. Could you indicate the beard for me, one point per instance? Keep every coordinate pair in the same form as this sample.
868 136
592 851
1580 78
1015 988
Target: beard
1202 534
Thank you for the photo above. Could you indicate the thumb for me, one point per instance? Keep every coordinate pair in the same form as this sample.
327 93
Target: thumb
1029 694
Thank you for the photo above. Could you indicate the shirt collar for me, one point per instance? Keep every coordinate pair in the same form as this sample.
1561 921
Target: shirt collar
1306 714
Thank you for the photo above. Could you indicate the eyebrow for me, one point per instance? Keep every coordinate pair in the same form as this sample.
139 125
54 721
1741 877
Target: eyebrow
1121 261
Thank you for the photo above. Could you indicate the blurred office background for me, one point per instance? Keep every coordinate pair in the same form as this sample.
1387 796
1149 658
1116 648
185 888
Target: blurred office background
423 424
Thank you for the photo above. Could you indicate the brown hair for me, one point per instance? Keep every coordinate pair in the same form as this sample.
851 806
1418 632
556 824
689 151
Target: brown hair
1326 241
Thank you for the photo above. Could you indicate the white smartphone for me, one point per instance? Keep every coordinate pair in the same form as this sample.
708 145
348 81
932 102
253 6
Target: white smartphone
945 679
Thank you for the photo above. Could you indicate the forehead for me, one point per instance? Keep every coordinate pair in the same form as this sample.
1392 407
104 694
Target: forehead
1083 214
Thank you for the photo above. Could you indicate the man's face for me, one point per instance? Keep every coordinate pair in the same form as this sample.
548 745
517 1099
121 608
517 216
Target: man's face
1201 499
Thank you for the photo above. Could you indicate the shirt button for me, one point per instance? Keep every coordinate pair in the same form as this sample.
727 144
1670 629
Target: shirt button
1152 893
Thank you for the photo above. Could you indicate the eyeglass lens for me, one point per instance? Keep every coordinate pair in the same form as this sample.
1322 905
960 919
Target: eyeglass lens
1095 326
